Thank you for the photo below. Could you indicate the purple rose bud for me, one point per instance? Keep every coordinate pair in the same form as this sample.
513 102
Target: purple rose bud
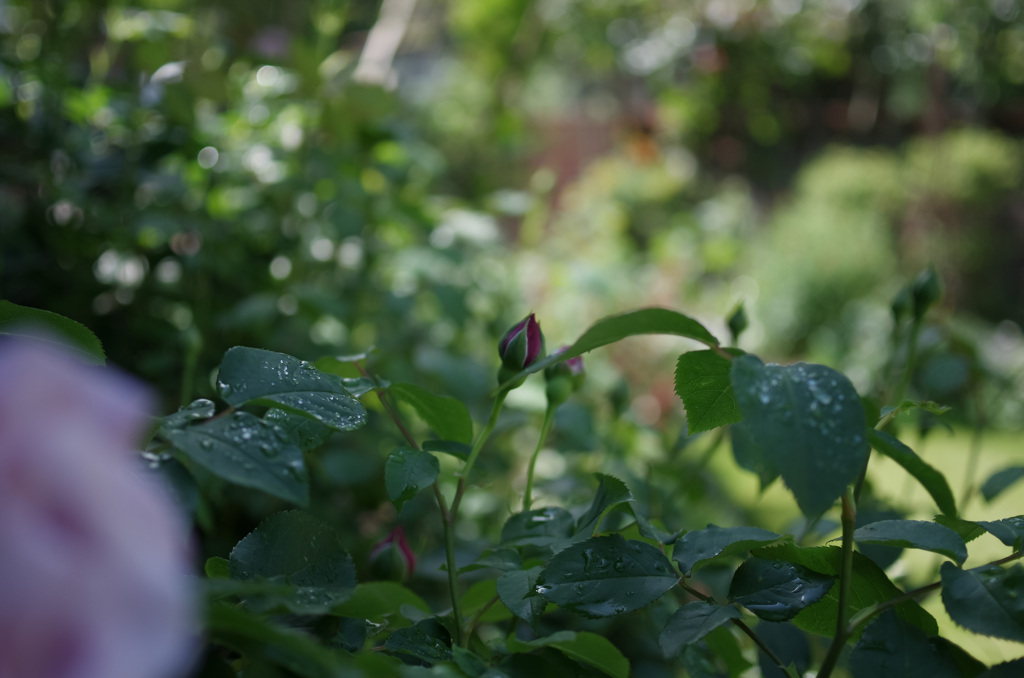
392 557
522 345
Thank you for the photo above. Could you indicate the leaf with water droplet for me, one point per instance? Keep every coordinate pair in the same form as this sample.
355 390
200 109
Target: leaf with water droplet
426 640
932 481
775 590
691 622
236 449
518 591
608 575
194 411
299 550
252 375
914 534
700 547
407 471
583 646
308 433
987 600
817 450
549 526
892 648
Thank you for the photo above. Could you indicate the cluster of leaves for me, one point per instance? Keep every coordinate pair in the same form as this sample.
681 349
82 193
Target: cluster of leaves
288 595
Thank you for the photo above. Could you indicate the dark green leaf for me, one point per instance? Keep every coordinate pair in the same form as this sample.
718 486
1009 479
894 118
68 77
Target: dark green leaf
1010 531
699 547
1000 480
789 644
968 531
914 534
426 640
892 648
614 328
775 590
582 646
868 586
1010 669
260 638
378 600
702 382
408 471
610 492
749 455
932 481
457 450
808 423
447 416
186 414
44 326
723 644
908 405
603 576
248 451
518 590
692 622
295 548
499 559
309 434
469 662
987 600
653 532
539 527
252 375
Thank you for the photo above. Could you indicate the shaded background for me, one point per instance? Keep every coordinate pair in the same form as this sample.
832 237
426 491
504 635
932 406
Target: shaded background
319 177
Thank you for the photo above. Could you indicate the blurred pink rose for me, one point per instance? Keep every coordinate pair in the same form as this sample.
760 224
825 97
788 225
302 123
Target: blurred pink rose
94 558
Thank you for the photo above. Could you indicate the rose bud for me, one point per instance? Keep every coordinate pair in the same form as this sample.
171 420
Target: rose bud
520 347
392 557
564 378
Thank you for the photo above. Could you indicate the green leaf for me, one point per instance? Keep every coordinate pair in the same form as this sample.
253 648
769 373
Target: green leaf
987 600
295 548
1010 669
806 420
775 590
868 586
699 547
1000 481
408 471
518 591
702 382
309 434
653 532
914 534
585 647
909 405
499 559
691 623
259 638
470 663
245 450
968 531
379 600
187 414
539 527
892 648
217 568
450 447
604 576
750 456
253 375
610 492
1010 531
613 328
44 326
932 481
426 640
447 416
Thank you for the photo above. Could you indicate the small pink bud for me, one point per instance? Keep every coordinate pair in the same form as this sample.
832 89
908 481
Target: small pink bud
392 557
522 345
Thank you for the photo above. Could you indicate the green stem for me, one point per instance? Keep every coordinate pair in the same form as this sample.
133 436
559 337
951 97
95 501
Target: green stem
478 444
549 417
453 575
908 367
849 522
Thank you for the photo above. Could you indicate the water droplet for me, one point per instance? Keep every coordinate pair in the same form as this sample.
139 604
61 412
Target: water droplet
268 450
206 444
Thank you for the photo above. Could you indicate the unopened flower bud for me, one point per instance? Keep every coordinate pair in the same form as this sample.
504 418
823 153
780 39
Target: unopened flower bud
927 290
520 347
392 557
902 303
564 378
738 322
